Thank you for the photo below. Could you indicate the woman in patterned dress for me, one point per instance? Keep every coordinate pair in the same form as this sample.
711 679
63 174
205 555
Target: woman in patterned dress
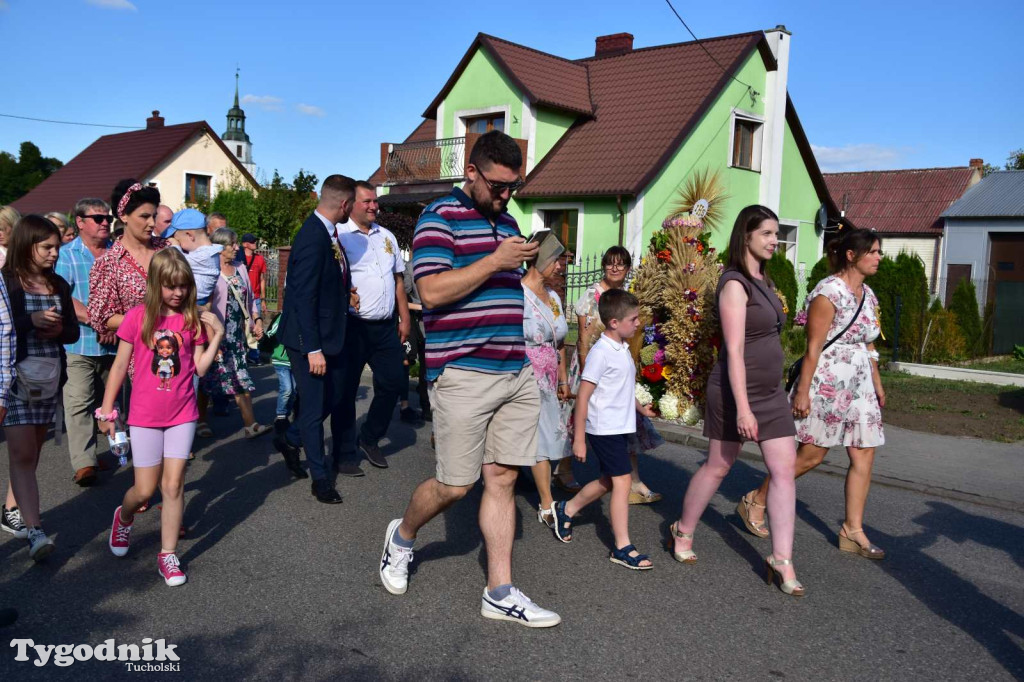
616 263
838 399
544 328
233 303
44 319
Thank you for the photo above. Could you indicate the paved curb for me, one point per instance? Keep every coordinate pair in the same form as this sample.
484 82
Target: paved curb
690 436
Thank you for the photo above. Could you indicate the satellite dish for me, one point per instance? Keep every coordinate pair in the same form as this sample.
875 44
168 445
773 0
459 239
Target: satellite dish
821 219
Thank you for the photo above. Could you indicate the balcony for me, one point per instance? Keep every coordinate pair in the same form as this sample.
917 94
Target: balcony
429 161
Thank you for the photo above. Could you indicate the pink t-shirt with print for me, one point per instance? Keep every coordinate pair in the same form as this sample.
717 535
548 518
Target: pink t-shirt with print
162 390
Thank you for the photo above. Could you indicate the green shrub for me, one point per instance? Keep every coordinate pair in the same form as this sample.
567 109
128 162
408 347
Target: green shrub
780 271
964 306
945 342
820 271
794 341
902 277
1018 352
935 307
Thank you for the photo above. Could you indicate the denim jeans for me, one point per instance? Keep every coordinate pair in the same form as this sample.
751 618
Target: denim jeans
285 390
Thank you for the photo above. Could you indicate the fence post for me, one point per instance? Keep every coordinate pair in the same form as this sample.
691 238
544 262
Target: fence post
896 332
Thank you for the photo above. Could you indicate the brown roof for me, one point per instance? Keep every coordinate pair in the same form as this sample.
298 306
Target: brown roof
646 103
112 158
424 131
900 201
543 78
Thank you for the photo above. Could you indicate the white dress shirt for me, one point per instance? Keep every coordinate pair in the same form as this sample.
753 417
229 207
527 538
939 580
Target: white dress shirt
375 260
612 406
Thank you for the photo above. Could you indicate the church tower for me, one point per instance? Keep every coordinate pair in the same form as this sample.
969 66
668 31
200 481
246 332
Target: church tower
235 138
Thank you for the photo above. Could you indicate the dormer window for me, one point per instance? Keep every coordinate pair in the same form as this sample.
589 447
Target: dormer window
745 142
485 124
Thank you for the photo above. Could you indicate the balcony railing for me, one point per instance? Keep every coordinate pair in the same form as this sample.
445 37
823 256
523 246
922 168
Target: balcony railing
441 160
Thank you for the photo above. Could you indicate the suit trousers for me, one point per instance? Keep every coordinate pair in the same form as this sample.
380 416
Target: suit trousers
83 393
373 342
318 398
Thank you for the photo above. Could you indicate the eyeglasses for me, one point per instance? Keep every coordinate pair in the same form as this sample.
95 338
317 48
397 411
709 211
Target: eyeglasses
616 266
99 219
500 187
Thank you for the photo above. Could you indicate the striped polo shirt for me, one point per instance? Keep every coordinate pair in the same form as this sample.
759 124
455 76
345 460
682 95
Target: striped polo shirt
483 331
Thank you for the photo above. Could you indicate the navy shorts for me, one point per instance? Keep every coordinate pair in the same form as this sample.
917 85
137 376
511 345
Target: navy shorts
612 453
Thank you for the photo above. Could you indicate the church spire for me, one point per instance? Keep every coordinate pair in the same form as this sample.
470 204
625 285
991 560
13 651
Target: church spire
236 88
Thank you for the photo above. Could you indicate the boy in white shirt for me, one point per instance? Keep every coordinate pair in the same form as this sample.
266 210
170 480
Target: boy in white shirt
606 408
187 233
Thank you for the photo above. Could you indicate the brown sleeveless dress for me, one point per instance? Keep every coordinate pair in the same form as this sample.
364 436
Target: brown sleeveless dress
763 357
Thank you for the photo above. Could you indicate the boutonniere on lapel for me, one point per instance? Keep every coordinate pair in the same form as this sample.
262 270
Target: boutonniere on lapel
337 250
388 249
782 299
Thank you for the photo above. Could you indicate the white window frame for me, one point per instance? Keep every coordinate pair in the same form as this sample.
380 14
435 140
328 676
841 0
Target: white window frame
537 222
184 183
758 141
461 115
795 225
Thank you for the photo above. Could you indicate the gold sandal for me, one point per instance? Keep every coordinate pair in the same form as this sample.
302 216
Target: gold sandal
790 587
743 509
686 556
650 497
872 551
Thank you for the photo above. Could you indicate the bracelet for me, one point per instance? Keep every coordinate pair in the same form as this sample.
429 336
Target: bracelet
563 383
105 417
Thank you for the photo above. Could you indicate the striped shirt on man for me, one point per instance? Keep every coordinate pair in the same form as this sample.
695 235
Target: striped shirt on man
483 331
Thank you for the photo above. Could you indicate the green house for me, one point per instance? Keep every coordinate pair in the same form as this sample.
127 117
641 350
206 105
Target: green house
608 140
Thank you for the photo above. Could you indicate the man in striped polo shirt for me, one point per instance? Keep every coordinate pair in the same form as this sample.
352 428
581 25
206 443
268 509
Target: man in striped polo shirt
467 263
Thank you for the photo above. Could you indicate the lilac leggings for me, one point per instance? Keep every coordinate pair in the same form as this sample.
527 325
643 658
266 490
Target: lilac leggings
150 445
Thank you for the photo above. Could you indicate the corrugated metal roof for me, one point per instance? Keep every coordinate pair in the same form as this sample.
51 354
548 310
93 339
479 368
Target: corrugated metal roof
899 201
999 195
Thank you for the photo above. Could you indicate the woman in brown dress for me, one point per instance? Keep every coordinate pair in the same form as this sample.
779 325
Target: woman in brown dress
745 398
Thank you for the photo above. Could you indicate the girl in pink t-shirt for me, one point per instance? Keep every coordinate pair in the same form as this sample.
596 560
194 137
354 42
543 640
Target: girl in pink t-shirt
166 338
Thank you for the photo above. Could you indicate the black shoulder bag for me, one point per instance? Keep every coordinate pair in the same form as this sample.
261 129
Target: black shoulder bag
794 370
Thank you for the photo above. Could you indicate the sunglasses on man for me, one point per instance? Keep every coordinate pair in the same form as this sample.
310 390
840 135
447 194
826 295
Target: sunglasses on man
98 218
500 187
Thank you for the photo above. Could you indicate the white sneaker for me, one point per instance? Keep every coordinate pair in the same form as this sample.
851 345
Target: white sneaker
39 546
518 608
394 563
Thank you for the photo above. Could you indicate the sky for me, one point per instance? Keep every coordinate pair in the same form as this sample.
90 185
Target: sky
894 84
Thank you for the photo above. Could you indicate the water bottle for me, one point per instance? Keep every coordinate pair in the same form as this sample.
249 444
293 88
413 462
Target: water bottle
119 445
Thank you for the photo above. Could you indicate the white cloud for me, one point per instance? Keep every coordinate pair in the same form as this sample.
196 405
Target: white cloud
310 110
857 157
113 4
265 102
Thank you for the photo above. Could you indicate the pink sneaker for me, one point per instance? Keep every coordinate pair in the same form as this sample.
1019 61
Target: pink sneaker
120 535
170 568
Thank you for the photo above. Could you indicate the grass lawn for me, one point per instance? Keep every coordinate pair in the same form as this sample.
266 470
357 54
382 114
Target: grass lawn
1004 364
954 408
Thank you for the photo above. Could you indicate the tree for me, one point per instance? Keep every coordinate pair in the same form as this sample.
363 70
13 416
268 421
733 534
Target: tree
902 277
19 176
780 271
1015 161
281 207
820 271
964 306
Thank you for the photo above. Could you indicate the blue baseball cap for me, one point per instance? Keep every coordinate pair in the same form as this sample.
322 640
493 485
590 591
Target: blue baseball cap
185 219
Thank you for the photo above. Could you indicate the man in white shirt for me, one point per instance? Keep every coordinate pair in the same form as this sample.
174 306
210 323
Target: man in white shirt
376 331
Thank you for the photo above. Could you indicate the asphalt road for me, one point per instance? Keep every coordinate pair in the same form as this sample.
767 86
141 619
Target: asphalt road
281 587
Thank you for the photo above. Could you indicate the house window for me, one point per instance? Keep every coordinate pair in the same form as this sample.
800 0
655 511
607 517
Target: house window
564 222
746 143
485 124
238 150
787 241
197 187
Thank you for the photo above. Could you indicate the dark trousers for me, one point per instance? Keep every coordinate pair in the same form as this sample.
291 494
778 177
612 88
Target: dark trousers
318 397
374 342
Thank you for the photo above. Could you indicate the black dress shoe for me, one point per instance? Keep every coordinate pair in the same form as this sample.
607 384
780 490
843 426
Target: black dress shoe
291 456
409 416
324 492
426 415
373 454
349 469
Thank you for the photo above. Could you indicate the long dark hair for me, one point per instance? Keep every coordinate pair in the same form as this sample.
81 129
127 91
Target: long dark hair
747 221
29 231
853 239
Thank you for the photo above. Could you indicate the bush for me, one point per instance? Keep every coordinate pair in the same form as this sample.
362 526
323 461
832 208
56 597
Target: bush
400 225
964 306
780 271
820 271
945 342
903 278
794 341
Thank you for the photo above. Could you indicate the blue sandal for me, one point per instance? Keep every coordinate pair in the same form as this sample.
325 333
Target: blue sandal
562 522
622 557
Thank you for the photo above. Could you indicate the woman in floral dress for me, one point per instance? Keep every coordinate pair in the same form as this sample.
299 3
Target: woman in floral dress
838 398
233 303
544 328
616 263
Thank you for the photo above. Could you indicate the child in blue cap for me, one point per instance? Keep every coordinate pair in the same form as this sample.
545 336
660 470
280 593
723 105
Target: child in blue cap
188 234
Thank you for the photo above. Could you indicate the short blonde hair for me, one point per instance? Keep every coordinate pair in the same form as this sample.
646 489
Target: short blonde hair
8 217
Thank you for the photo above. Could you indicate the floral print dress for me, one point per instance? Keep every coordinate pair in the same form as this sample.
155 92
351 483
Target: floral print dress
544 328
229 373
646 436
844 405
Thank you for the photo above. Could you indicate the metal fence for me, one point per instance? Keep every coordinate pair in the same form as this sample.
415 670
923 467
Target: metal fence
578 276
270 298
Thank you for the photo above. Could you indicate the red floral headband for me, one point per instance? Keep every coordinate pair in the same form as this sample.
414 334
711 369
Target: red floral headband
124 200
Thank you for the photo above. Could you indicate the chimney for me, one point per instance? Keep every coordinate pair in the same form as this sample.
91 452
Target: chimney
155 121
977 164
617 43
